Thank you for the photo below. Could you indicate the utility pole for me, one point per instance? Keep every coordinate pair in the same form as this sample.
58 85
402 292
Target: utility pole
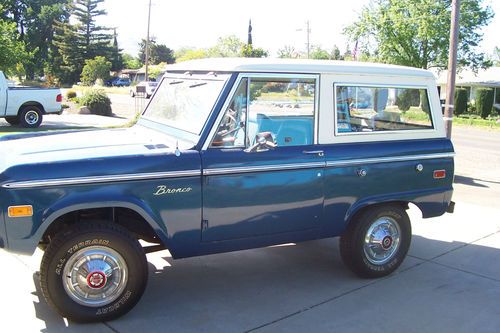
147 44
308 32
452 68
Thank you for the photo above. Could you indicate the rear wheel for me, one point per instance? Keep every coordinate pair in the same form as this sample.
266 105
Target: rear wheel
93 272
14 120
30 116
376 241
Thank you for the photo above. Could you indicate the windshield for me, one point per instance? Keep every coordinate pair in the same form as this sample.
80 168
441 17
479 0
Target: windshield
185 102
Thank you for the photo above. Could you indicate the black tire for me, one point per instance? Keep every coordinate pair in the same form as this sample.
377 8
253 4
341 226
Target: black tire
390 228
14 120
30 117
103 245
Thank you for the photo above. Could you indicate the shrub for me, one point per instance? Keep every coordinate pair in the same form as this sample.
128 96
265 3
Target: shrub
70 94
484 102
460 101
471 107
97 68
97 102
404 99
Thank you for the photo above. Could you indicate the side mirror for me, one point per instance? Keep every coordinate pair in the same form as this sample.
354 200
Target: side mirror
263 142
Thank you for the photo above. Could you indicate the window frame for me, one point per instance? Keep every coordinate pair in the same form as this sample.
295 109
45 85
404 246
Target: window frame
388 86
270 75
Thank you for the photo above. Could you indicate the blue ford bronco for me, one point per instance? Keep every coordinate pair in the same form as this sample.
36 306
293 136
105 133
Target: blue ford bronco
229 154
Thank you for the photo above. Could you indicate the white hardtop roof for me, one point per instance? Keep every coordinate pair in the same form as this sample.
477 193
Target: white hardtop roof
273 65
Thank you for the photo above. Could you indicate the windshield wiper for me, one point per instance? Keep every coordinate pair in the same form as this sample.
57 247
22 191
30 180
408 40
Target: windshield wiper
175 82
197 85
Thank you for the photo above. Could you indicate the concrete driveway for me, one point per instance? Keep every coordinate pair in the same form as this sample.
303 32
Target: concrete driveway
450 282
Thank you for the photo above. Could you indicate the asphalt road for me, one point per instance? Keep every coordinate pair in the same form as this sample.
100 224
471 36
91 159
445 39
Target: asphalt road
450 281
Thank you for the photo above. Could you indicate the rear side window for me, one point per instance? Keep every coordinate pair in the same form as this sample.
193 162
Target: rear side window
365 109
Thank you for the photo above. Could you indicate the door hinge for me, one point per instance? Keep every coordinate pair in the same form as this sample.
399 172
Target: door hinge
204 225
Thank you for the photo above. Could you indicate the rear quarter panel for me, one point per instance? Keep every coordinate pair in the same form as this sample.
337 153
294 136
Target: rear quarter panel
19 96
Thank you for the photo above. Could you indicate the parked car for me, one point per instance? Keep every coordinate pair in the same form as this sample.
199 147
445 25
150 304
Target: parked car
120 82
144 88
215 165
25 106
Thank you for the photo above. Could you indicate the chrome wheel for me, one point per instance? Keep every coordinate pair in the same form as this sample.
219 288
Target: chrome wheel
382 240
95 276
31 117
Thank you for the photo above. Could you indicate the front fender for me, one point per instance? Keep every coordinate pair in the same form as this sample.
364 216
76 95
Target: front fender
28 243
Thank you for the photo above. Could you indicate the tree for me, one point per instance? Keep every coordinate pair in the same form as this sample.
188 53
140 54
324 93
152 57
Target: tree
288 52
76 42
185 54
116 56
229 46
97 68
318 53
157 52
335 54
496 56
40 32
416 32
131 62
94 40
34 21
66 57
12 51
248 51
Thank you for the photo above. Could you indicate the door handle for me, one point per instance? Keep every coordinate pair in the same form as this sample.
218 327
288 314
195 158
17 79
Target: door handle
314 152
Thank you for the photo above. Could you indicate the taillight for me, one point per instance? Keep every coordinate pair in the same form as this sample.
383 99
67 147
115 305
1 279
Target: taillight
59 98
439 174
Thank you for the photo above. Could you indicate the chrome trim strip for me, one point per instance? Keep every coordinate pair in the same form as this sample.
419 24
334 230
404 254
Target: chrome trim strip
101 179
263 168
388 159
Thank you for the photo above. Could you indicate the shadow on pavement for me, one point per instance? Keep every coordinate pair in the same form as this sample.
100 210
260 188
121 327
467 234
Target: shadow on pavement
245 290
469 181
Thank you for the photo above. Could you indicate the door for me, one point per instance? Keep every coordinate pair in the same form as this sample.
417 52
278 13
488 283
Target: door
262 172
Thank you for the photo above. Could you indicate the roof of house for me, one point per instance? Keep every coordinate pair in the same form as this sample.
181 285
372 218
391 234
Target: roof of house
484 77
295 66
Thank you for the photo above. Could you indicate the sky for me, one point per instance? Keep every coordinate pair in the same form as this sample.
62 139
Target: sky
276 23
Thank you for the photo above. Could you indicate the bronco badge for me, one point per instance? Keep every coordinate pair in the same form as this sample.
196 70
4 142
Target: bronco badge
162 189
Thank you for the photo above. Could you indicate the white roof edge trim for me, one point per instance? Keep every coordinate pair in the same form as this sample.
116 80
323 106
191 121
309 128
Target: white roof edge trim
297 66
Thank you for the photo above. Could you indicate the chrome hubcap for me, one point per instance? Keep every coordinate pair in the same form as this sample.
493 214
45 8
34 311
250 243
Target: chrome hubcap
382 240
31 117
95 276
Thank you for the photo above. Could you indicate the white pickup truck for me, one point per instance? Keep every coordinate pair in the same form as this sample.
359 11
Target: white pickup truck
25 106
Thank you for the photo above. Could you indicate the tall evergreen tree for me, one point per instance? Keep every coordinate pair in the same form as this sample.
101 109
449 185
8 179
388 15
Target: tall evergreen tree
116 56
67 57
94 40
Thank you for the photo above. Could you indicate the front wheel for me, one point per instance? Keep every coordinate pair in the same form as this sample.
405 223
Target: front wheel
30 117
93 272
376 241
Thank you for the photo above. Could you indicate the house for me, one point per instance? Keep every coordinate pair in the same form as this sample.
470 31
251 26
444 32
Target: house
484 78
138 75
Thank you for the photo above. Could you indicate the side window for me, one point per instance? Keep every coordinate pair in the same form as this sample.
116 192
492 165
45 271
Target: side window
375 109
231 131
284 108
